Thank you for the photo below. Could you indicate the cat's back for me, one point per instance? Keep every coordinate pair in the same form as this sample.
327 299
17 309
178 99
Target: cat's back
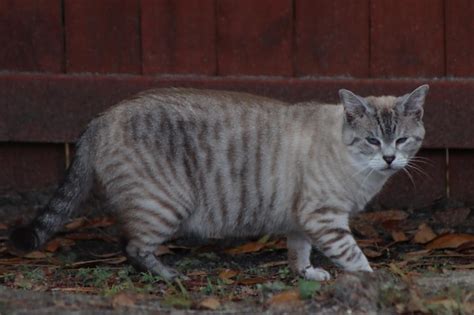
195 103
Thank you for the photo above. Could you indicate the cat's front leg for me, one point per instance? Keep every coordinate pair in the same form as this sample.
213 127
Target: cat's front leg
299 251
328 230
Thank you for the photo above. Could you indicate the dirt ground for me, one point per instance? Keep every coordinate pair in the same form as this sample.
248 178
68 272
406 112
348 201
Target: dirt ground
424 262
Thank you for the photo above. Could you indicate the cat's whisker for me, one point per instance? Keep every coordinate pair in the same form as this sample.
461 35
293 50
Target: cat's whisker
360 171
426 162
366 177
410 177
413 167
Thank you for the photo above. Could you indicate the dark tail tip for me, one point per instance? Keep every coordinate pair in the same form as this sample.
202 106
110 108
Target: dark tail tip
24 239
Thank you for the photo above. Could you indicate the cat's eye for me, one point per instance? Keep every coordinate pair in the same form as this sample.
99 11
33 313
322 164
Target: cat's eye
373 141
401 140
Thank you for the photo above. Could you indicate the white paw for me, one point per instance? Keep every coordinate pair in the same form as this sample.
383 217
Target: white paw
318 274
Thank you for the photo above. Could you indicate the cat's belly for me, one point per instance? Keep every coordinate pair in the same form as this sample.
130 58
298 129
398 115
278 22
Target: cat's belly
199 224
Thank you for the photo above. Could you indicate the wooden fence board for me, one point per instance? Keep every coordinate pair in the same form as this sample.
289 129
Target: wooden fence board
461 175
32 35
102 36
460 38
407 38
254 37
332 38
30 166
178 36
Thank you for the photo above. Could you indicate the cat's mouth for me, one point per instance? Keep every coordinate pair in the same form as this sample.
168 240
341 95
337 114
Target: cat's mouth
389 168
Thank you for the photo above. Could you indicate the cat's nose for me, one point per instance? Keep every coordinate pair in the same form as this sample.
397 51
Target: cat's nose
389 158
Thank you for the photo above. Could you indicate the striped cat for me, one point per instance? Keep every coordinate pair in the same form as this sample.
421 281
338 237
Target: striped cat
218 164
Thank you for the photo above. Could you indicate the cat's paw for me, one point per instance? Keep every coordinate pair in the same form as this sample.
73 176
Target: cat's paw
318 274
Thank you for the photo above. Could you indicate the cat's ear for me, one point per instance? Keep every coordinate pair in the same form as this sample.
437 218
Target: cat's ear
412 104
354 105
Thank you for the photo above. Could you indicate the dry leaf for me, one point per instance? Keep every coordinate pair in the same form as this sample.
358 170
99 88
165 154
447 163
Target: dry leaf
123 300
162 250
364 228
252 281
371 253
197 273
291 296
382 216
210 303
399 236
417 254
274 264
450 241
75 224
250 247
424 234
369 242
100 222
36 255
56 243
228 274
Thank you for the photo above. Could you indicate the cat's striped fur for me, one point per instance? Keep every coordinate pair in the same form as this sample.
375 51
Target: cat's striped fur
217 164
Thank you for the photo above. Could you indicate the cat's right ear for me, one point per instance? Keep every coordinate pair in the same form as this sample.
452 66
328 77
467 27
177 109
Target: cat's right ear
354 105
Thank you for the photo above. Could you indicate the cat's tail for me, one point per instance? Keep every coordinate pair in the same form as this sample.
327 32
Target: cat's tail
65 201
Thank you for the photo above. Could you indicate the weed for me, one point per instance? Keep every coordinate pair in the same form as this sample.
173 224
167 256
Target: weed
209 288
101 276
284 273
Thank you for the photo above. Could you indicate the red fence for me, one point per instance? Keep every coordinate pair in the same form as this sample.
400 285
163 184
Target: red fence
64 61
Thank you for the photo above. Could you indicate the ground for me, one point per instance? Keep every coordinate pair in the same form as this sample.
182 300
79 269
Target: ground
423 261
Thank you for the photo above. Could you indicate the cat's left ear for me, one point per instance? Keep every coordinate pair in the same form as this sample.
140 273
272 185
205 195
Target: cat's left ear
412 104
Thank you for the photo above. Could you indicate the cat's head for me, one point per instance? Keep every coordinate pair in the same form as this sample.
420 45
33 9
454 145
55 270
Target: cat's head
383 133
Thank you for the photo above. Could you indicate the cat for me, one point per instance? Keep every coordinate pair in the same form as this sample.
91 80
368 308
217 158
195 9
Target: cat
225 164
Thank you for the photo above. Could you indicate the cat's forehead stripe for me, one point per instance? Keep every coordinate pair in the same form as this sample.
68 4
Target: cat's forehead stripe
386 121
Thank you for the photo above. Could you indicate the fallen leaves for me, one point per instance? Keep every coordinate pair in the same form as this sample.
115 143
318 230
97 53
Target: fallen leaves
424 234
287 297
253 280
450 241
399 236
123 299
82 222
246 248
383 216
210 303
57 243
36 255
226 275
371 252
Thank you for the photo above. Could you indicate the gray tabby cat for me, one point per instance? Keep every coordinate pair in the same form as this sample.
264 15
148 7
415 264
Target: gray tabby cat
218 164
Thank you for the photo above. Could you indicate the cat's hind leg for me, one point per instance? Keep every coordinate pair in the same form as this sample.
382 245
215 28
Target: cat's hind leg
145 232
299 251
